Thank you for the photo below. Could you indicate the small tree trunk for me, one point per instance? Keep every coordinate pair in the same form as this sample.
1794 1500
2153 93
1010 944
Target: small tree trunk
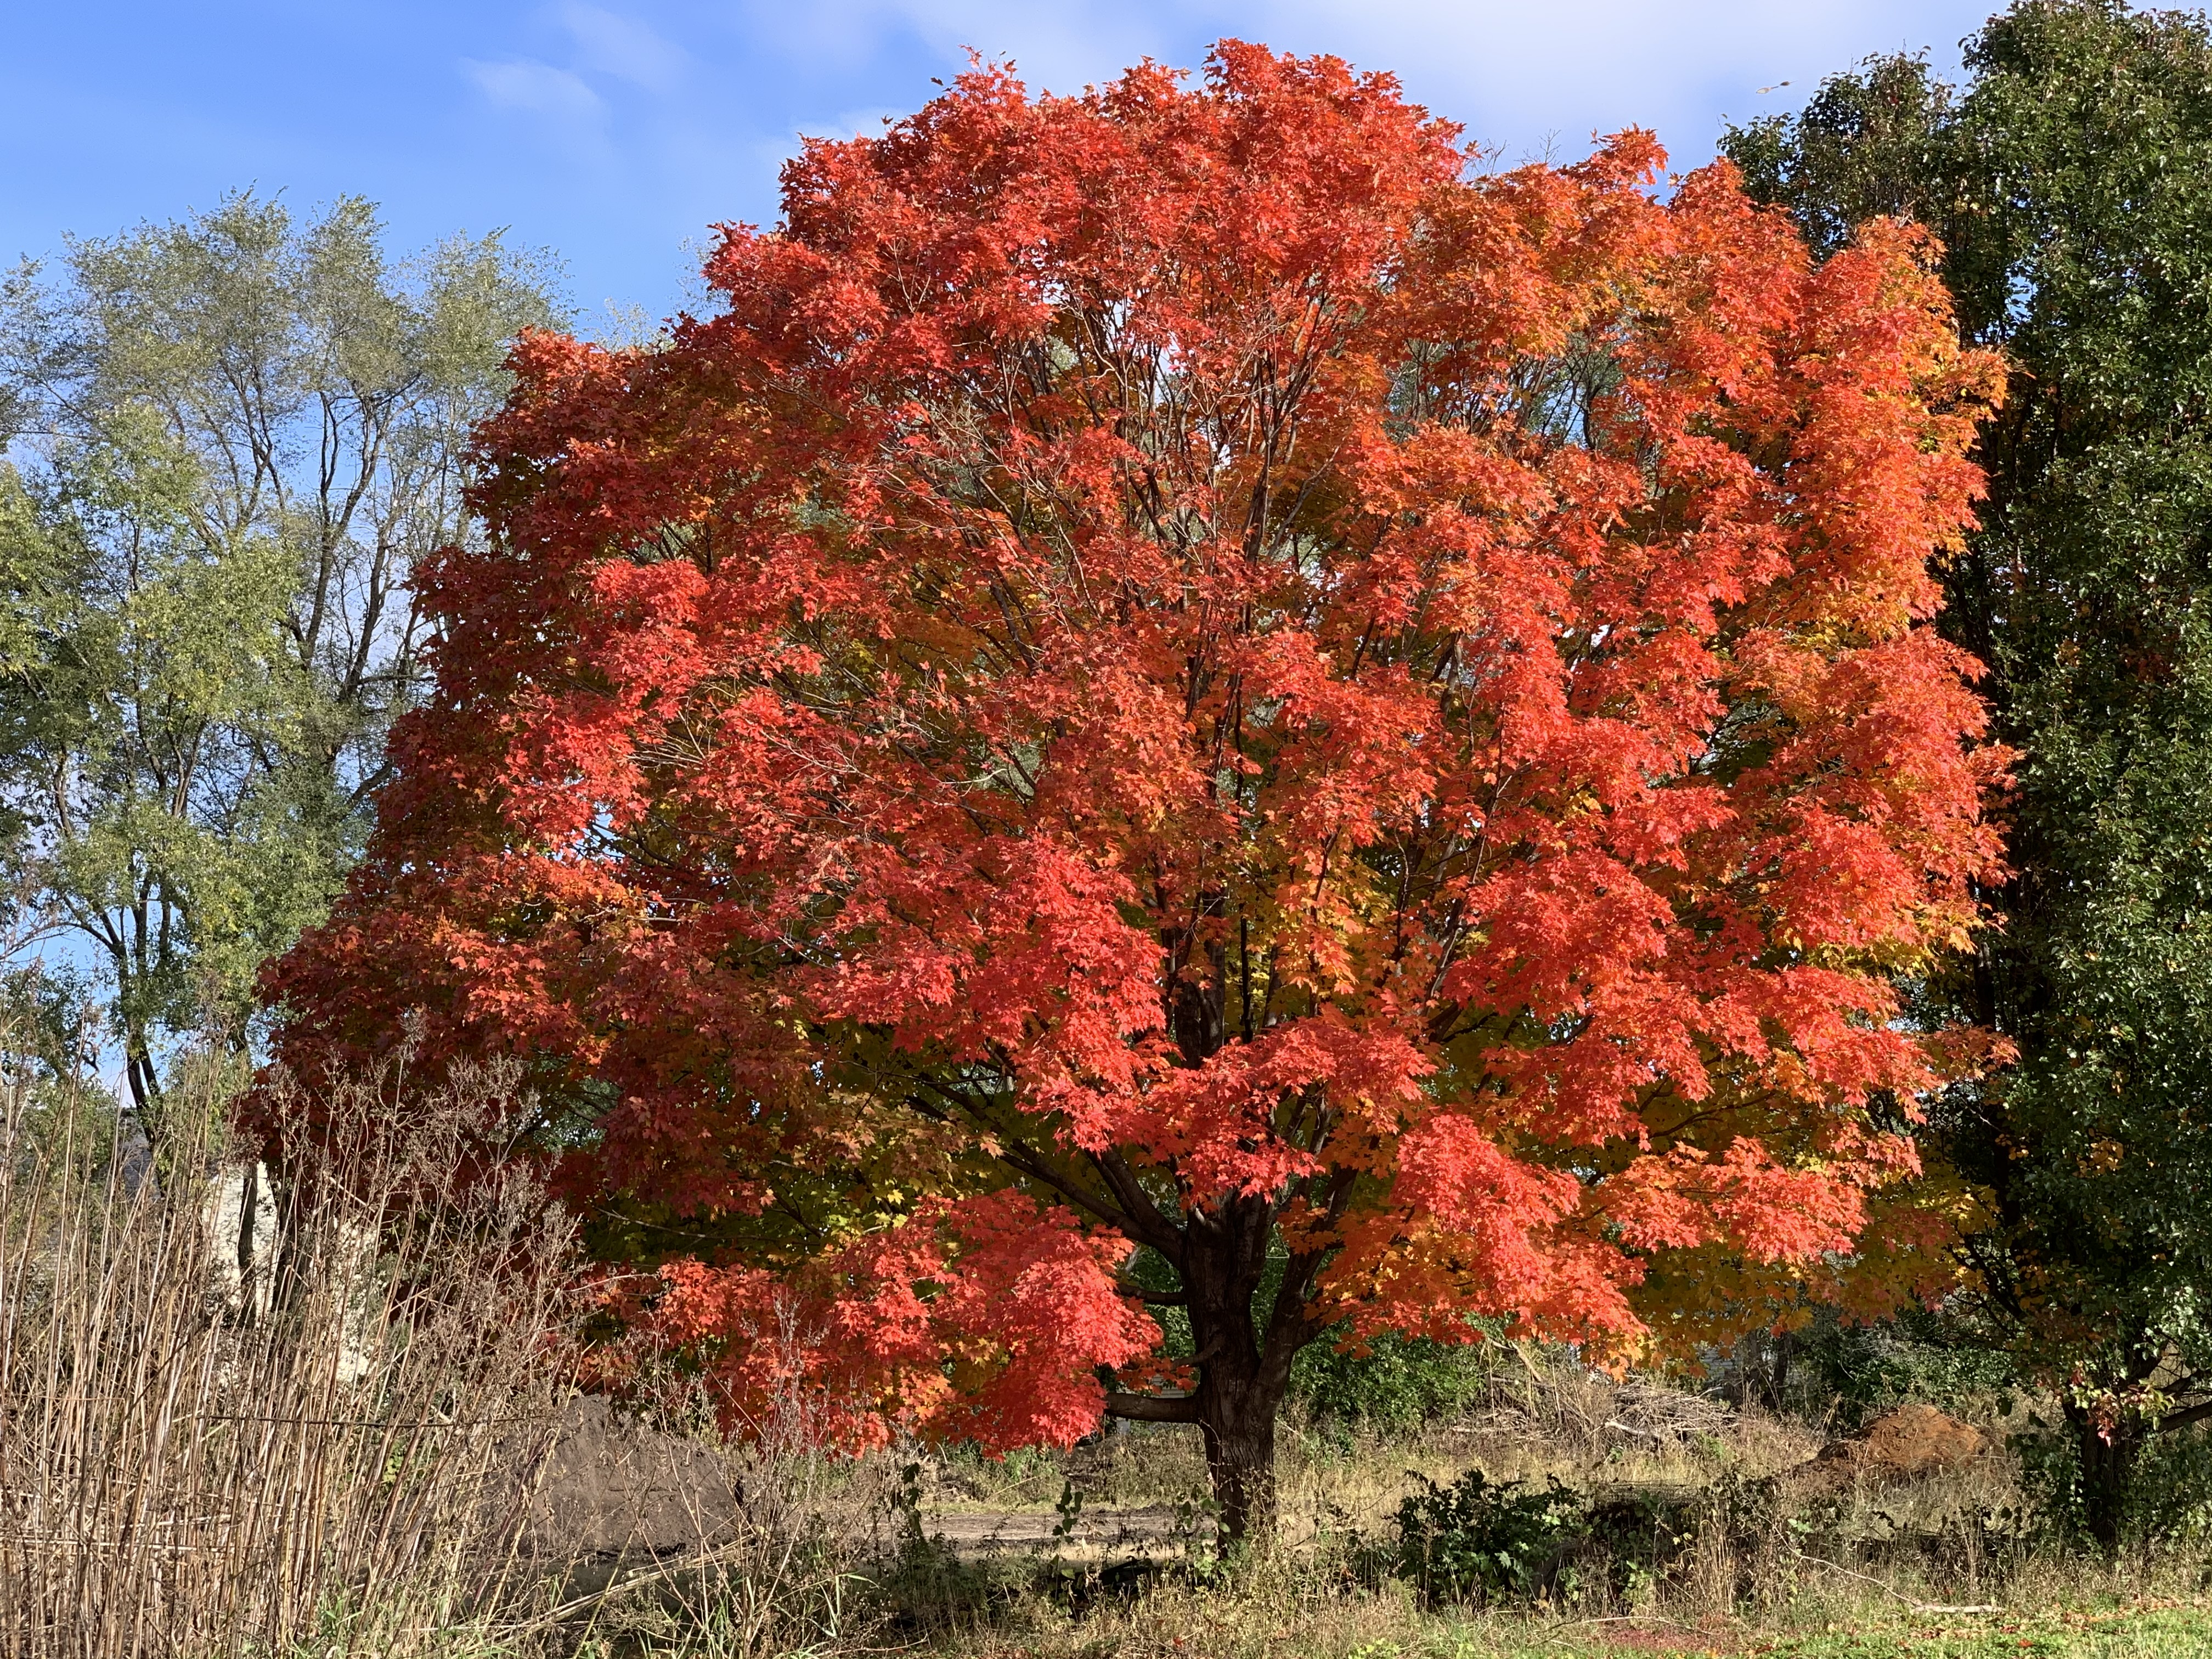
145 1083
1784 1345
249 1211
2105 1459
289 1198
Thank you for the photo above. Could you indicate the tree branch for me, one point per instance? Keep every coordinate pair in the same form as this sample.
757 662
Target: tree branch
1146 1225
2184 1417
1021 1159
1155 1298
1151 1409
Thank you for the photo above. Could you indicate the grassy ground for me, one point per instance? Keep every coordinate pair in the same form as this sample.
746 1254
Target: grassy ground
1881 1576
2125 1632
1208 1628
416 1454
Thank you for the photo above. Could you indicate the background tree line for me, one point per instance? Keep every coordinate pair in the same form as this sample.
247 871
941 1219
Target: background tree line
229 438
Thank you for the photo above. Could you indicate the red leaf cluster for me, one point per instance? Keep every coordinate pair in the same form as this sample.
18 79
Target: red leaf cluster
1183 652
979 1319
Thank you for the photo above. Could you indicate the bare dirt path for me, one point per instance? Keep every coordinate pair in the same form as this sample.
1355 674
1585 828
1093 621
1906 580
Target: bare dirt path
1102 1531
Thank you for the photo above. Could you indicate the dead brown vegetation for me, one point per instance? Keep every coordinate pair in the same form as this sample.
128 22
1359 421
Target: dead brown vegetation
204 1450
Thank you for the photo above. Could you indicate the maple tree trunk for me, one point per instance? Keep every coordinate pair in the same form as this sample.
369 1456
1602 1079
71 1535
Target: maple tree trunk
1241 1378
1237 1420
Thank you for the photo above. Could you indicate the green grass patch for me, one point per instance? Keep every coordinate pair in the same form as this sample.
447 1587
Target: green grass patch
2138 1632
2143 1631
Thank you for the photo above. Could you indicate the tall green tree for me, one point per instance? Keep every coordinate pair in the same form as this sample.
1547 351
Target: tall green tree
230 438
2070 179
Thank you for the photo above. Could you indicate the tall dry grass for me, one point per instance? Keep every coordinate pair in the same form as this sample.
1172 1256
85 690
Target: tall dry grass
328 1438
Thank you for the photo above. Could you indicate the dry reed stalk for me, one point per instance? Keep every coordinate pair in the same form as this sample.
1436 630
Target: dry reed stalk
190 1466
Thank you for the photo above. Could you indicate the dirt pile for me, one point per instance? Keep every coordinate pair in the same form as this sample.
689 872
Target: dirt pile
1904 1444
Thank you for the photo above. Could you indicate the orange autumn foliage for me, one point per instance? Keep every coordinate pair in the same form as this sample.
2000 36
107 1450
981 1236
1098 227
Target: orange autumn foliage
1181 666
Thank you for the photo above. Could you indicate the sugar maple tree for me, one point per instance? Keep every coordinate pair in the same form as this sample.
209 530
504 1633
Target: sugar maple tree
1180 670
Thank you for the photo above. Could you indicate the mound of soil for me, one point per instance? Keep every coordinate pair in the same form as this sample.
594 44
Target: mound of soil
1908 1442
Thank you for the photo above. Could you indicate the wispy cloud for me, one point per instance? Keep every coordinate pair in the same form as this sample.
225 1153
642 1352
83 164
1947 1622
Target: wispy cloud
616 128
661 117
1514 72
1062 46
539 89
622 47
851 124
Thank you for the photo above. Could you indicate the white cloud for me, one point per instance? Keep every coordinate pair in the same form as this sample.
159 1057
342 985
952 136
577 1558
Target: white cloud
853 123
622 47
538 87
1518 69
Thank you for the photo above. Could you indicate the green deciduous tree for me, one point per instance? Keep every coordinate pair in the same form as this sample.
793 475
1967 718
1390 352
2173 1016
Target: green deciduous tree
230 438
2071 181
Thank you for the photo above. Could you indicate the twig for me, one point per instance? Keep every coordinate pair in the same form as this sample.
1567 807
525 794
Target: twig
1892 1590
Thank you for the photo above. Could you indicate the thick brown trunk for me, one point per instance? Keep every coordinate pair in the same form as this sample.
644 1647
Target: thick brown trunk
1238 1422
1222 1257
1242 1380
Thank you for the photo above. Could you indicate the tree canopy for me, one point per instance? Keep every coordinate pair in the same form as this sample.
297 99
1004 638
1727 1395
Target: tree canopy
1181 670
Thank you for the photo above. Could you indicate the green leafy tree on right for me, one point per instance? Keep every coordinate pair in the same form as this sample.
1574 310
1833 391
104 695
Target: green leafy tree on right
2070 179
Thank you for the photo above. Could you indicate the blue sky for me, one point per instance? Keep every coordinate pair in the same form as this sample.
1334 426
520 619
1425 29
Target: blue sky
615 131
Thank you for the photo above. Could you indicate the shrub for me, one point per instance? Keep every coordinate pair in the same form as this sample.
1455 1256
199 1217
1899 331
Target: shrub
2169 1491
1483 1541
1399 1385
1856 1372
209 1449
